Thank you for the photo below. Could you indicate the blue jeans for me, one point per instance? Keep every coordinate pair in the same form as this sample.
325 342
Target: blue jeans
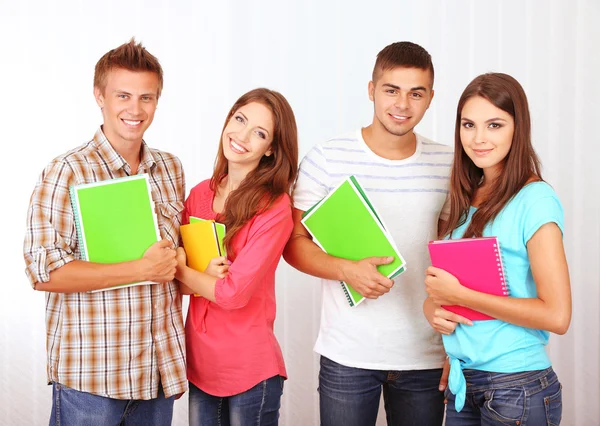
350 396
76 408
257 406
531 398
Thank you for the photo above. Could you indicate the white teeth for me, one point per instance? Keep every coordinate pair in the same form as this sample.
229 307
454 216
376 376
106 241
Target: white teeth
132 123
238 147
399 117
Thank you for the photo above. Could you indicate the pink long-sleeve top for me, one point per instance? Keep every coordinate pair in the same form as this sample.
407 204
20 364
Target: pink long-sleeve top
230 343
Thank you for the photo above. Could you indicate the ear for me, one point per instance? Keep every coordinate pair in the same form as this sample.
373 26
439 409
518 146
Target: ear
99 97
431 98
269 152
371 91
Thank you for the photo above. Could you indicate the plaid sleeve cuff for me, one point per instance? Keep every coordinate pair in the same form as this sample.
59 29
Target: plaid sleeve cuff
42 261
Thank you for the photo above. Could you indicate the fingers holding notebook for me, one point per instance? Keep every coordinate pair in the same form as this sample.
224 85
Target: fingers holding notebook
160 262
364 277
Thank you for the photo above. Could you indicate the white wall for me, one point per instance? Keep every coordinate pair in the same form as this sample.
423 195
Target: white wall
319 54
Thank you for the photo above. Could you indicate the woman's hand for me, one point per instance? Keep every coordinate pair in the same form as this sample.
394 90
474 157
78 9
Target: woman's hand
181 257
440 319
218 267
443 288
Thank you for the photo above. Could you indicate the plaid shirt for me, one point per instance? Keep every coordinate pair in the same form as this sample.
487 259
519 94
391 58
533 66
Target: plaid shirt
119 343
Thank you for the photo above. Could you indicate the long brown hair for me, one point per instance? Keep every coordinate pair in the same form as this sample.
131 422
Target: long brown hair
274 175
520 164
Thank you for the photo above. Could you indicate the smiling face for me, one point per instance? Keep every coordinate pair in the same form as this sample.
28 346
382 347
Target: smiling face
248 136
486 134
401 96
128 103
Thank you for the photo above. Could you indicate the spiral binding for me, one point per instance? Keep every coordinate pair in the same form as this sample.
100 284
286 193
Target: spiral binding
80 242
501 271
347 293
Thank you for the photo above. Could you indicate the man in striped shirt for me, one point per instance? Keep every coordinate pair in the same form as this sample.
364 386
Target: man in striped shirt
384 342
114 356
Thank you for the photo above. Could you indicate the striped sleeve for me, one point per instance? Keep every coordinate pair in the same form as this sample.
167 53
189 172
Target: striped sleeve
313 180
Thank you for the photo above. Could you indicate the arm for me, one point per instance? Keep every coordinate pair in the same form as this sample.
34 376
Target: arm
50 244
303 254
258 257
550 311
158 265
196 282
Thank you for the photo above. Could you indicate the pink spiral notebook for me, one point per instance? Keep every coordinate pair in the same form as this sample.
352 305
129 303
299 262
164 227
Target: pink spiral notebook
477 263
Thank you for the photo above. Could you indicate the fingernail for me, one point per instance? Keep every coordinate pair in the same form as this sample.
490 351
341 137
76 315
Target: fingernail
441 388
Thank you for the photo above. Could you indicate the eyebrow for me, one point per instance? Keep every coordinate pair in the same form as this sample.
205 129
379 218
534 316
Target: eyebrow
487 121
124 92
246 118
412 89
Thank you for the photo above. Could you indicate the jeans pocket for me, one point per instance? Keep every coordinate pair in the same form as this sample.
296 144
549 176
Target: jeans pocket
553 404
506 406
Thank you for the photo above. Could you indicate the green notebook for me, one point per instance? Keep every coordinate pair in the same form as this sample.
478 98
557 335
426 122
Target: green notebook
345 224
115 219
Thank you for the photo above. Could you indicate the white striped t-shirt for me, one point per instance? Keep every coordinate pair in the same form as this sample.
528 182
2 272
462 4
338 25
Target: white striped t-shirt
391 332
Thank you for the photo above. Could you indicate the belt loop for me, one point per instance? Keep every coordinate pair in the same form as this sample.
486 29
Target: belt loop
544 382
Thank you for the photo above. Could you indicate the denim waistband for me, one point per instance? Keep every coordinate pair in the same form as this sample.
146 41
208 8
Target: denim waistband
460 382
533 381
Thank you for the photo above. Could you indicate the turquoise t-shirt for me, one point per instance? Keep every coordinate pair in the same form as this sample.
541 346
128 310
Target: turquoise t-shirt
495 345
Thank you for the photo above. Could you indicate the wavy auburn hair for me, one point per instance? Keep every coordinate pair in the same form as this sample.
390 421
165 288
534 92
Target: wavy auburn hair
520 164
274 174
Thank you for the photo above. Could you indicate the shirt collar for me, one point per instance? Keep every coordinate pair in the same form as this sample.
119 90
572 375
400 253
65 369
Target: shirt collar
115 161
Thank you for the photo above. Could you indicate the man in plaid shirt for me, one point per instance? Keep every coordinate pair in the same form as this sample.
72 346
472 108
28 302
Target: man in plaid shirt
113 357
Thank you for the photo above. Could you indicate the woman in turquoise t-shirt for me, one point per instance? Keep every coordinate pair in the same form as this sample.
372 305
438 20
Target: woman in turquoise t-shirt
499 371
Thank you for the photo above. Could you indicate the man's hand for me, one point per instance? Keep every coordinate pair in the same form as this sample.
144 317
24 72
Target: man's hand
364 277
445 373
159 262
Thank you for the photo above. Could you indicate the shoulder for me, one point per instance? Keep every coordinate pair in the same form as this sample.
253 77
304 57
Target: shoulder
64 166
534 192
281 208
429 146
201 188
347 142
167 160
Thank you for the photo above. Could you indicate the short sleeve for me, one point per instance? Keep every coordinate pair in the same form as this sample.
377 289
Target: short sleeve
445 213
50 238
312 184
546 209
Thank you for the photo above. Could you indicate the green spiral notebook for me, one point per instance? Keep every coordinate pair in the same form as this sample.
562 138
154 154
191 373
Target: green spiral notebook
115 220
345 224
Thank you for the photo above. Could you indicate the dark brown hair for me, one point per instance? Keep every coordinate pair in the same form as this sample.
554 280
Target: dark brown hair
131 56
402 54
520 164
274 175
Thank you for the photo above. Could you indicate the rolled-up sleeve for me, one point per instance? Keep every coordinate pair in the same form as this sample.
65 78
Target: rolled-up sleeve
50 236
259 257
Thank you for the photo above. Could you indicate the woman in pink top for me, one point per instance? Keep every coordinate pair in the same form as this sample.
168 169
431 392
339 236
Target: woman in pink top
234 363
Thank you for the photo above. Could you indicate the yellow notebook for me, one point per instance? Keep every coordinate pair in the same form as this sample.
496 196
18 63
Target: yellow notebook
203 241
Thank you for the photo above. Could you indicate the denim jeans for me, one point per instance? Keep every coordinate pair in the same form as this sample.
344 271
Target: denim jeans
258 406
350 396
531 398
71 407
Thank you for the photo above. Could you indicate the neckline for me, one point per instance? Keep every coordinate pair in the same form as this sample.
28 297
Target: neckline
412 158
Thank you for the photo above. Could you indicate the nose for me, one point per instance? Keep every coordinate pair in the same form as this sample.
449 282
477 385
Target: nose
135 107
480 136
401 101
243 134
